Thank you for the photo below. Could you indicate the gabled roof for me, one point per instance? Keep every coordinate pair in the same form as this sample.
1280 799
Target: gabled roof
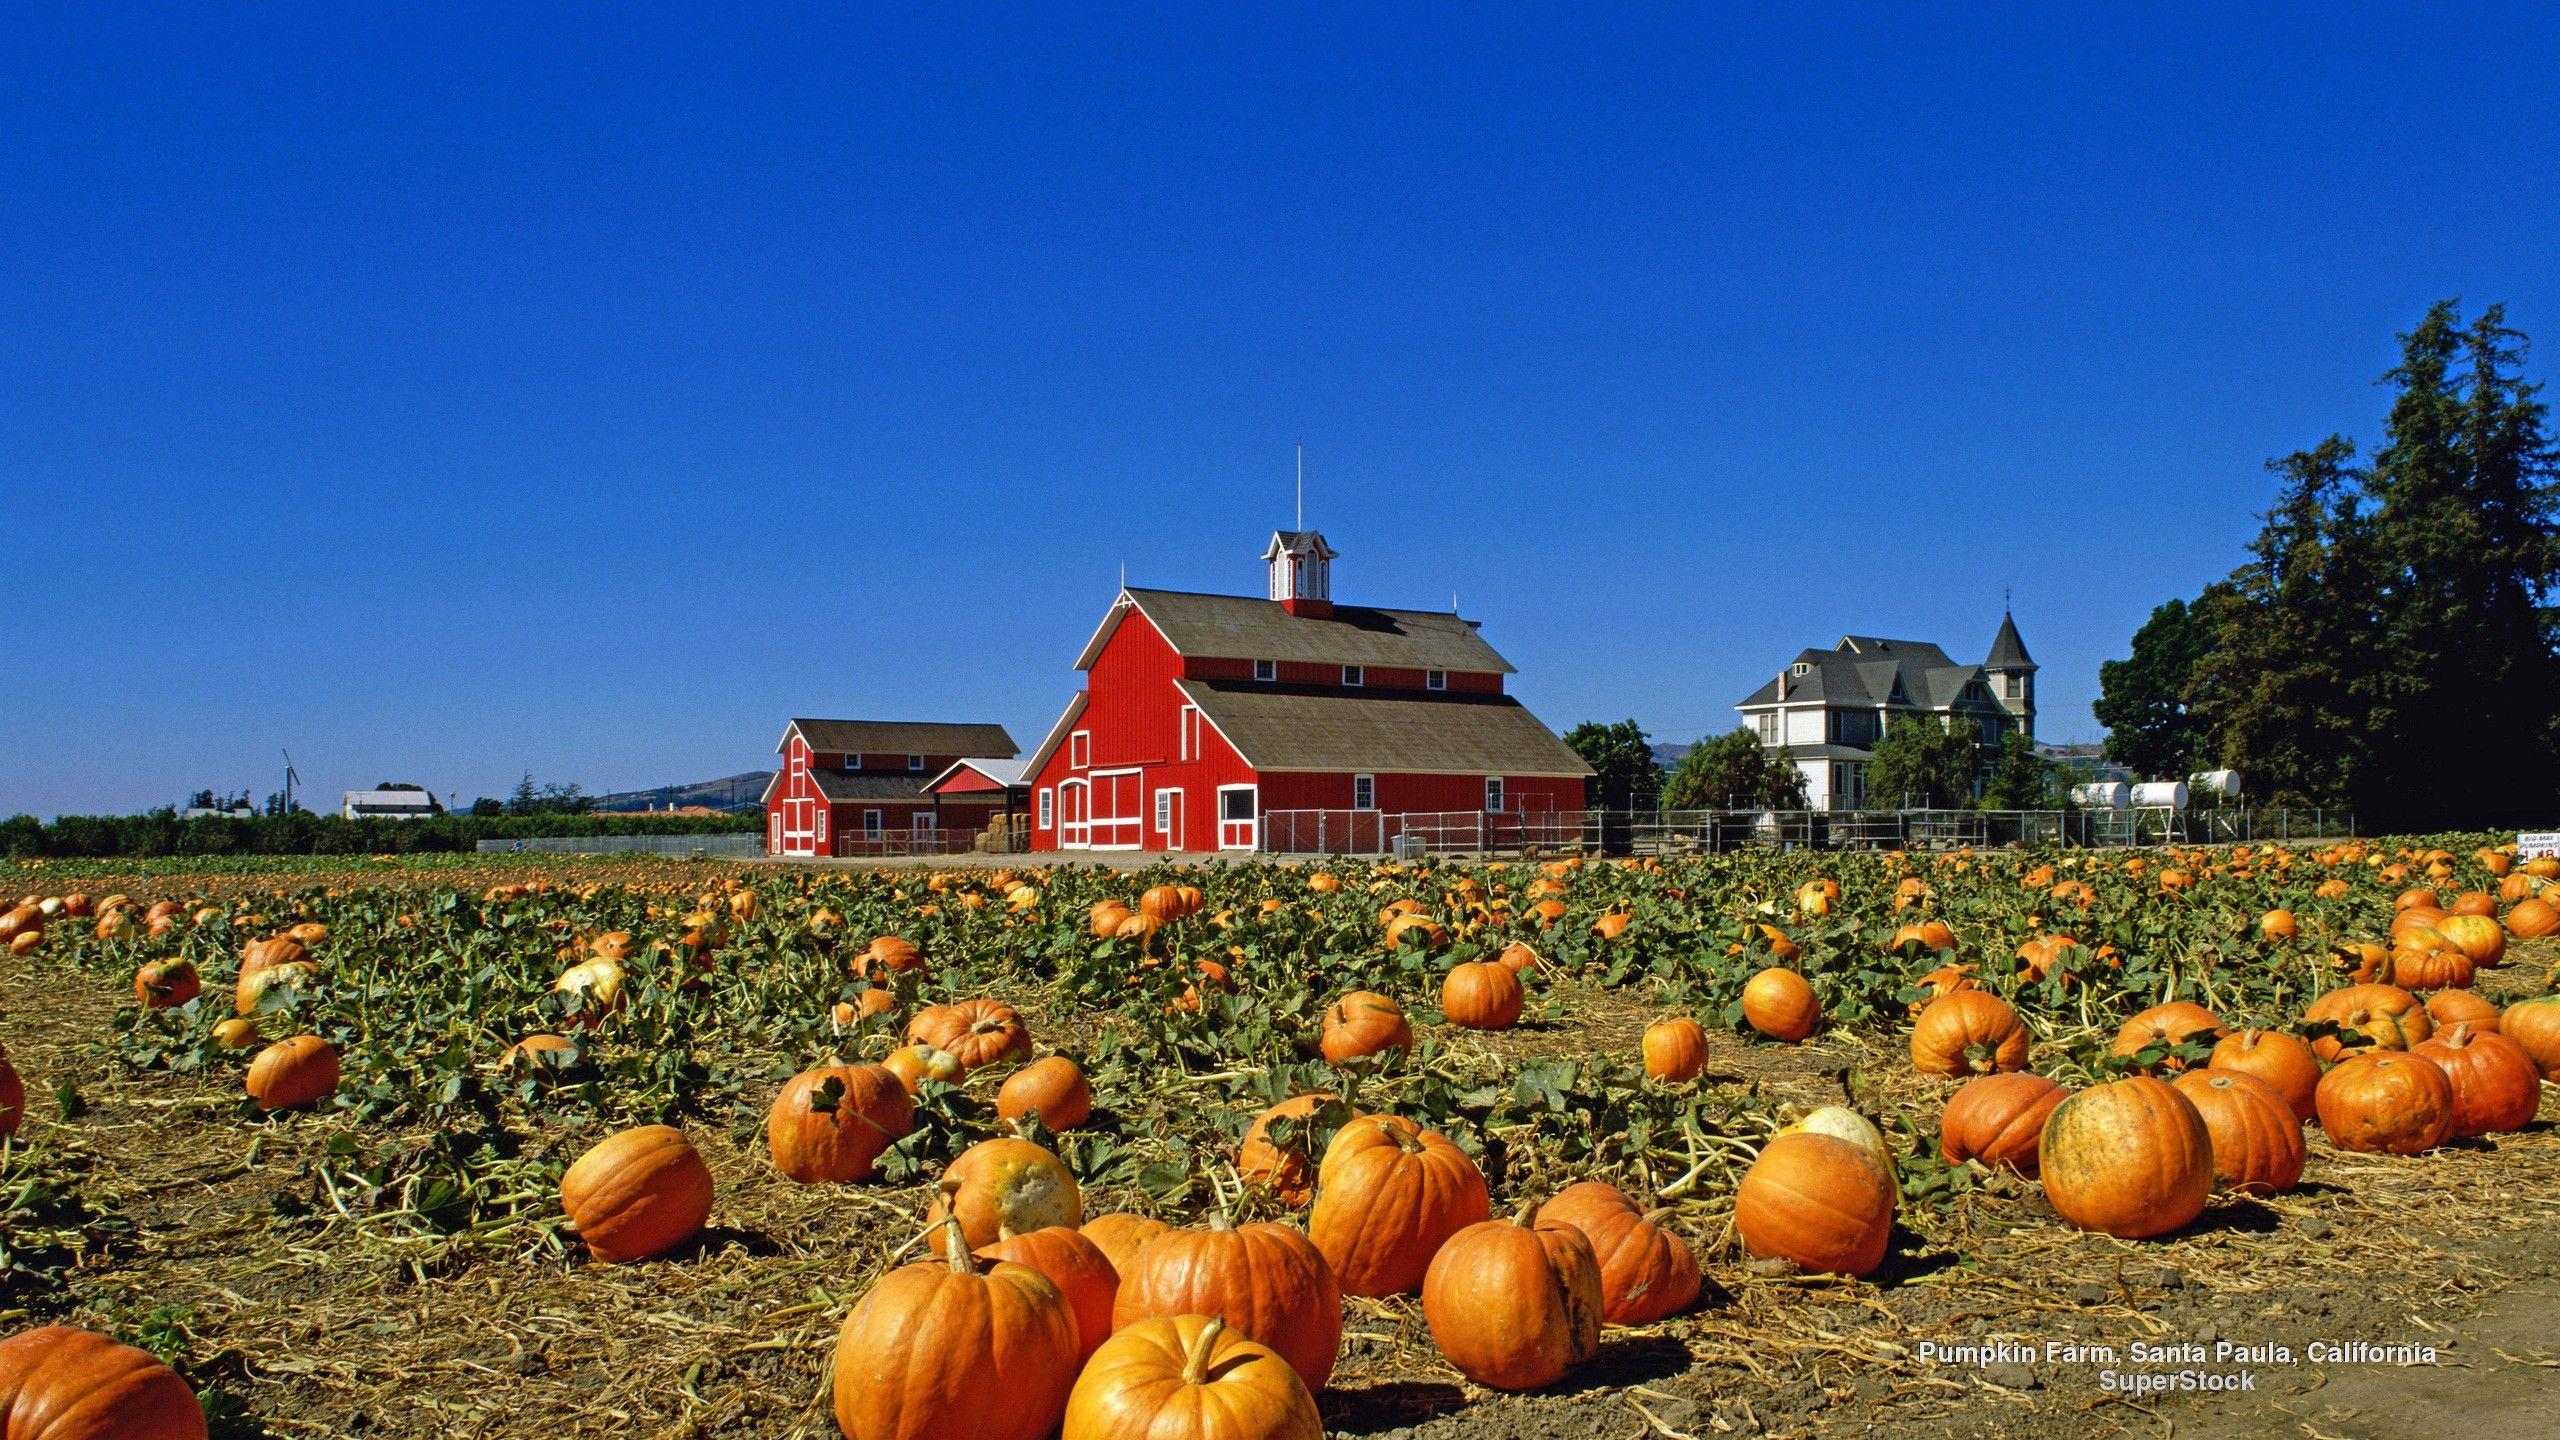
1007 773
1877 673
1919 652
1057 735
2008 652
841 788
902 737
1239 627
1291 727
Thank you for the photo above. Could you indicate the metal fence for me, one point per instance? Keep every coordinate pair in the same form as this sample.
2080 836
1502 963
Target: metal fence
739 845
1686 832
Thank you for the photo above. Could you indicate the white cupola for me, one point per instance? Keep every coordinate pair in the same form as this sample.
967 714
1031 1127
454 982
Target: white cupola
1301 571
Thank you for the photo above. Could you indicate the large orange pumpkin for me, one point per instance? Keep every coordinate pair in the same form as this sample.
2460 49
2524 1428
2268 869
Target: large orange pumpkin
58 1382
2496 1086
1364 1023
1080 1270
2282 1061
2535 1027
1646 1271
2477 936
2533 918
293 1072
1289 1170
2386 1102
915 1064
164 983
2178 1022
1779 1004
637 1194
2130 1158
2257 1139
1514 1306
1998 1120
1675 1050
1968 1032
2388 1017
1005 1184
1388 1194
833 1122
1053 1089
940 1349
1481 995
1120 1236
1269 1281
1818 1202
976 1032
1189 1377
2448 1008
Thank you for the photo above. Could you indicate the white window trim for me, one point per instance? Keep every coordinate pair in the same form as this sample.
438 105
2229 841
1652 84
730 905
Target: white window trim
924 822
1188 740
1136 824
1164 810
1435 679
1266 671
853 760
1080 750
1494 794
1368 783
1048 808
915 762
1253 833
1355 676
871 824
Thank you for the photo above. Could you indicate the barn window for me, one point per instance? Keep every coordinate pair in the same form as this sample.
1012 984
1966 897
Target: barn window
1164 812
822 824
1435 679
1266 669
871 823
1048 808
1190 739
1364 792
1352 675
853 761
1080 749
1235 802
1493 793
915 762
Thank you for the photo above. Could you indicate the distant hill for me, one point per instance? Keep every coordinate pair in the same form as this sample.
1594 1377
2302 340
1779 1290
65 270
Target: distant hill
730 792
1670 756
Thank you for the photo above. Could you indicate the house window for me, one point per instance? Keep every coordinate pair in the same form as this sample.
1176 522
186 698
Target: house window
1164 812
915 762
1190 742
1048 808
1080 749
1801 668
1352 674
871 824
1493 793
1769 728
1435 679
2014 686
1364 792
1266 669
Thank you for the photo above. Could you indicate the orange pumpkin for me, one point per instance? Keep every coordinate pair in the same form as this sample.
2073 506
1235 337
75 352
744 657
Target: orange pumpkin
1290 1172
1269 1281
1364 1023
2478 937
1189 1377
1675 1050
1647 1272
1120 1236
58 1382
1781 1005
293 1072
1481 995
1998 1120
2531 919
2535 1027
164 983
889 953
1053 1089
2496 1086
1817 1202
939 1348
2176 1023
1004 1184
1968 1032
2387 1016
2448 1008
833 1122
1514 1306
2257 1139
975 1032
637 1194
1388 1194
1080 1270
2130 1158
2282 1061
2386 1102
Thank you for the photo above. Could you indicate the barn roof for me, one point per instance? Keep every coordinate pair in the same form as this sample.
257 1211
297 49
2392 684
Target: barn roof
1291 727
841 788
904 737
1003 772
1240 627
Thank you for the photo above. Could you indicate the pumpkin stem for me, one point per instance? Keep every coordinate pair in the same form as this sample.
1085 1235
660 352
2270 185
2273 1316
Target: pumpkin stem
1195 1367
955 1246
1656 1217
1528 1214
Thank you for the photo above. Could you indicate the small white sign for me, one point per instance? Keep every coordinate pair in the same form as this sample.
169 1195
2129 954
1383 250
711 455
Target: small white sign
2545 843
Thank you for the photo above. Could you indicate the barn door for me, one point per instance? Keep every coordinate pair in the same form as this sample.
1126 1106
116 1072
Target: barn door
1075 830
1237 817
1169 818
1119 822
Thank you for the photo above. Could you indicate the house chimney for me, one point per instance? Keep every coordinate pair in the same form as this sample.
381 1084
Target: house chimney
1782 684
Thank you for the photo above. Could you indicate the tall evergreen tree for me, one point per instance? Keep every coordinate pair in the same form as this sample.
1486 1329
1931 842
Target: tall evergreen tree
2144 700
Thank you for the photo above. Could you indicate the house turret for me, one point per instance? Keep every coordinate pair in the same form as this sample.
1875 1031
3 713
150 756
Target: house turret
2012 673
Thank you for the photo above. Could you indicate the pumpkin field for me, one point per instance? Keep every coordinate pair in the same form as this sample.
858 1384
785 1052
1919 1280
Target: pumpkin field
1744 1144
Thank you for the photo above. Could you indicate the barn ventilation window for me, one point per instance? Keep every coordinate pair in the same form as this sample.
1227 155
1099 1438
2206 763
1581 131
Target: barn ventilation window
1353 675
915 762
1266 669
1493 793
1364 792
1435 679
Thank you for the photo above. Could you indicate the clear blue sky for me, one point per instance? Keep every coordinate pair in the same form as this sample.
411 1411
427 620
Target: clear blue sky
443 398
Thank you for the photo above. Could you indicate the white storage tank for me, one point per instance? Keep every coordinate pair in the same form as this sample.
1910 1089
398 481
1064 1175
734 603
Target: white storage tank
2225 783
2156 794
2102 795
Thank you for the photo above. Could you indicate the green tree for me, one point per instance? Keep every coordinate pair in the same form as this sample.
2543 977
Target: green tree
2152 728
2021 779
1734 771
1921 762
1628 775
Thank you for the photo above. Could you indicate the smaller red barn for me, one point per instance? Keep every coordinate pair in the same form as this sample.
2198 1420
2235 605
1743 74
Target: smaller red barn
864 787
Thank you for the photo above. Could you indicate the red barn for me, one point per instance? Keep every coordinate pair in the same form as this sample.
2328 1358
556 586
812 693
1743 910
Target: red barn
860 787
1203 715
